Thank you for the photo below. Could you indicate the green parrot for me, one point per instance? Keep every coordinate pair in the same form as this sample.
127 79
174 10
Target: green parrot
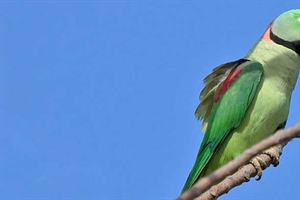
247 100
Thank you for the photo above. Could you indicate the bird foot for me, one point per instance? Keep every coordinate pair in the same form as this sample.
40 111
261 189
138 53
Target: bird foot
274 153
260 164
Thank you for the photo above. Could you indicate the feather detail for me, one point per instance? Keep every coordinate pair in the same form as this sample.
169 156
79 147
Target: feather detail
208 93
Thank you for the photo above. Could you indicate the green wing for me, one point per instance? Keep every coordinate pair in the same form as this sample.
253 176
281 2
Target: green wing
231 100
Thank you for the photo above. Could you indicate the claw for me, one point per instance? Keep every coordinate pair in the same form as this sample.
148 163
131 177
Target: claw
274 153
259 165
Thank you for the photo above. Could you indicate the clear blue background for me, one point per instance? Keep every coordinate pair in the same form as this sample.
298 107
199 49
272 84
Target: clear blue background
97 97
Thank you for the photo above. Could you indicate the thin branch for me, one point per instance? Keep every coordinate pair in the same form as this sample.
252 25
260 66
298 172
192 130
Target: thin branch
202 185
242 175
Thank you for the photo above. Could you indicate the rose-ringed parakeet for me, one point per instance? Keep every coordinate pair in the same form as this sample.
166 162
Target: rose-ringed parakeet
246 100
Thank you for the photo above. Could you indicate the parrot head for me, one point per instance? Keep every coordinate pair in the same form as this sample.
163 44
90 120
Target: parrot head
285 30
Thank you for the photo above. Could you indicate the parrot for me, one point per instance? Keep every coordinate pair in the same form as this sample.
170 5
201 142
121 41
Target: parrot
247 100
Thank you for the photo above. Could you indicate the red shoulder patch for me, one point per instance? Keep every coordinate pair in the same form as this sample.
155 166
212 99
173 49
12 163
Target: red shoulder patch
227 82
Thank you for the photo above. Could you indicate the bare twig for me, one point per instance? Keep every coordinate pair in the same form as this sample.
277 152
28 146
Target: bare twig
202 185
242 175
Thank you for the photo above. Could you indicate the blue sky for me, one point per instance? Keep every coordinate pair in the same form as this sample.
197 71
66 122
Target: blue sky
97 97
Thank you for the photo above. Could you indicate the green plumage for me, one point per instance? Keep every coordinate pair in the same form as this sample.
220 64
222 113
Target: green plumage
226 114
246 100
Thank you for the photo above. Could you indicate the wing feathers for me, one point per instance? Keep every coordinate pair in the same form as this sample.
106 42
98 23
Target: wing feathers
208 93
237 91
